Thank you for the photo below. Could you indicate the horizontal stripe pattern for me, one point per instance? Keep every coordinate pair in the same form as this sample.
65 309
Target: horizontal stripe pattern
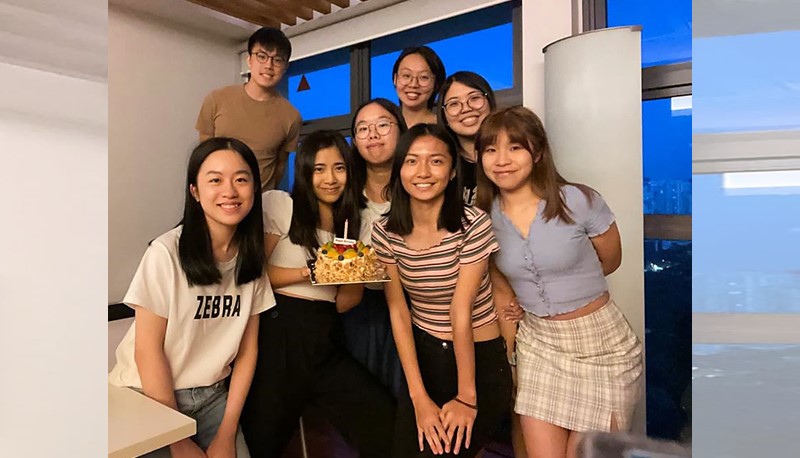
429 276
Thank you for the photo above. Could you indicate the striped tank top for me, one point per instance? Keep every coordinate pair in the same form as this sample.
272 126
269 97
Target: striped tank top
429 275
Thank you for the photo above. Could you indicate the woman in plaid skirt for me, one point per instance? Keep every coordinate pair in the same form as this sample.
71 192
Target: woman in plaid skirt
579 364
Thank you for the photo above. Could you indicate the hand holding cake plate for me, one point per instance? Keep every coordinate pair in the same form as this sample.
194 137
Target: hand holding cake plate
346 261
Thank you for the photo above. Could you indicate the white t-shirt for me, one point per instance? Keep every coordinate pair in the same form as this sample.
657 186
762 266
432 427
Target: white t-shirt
205 324
277 206
373 212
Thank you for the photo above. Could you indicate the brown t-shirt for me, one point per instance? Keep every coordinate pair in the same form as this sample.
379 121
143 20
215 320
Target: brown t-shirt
268 127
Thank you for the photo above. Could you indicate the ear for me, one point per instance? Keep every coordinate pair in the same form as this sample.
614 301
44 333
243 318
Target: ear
452 174
394 80
193 190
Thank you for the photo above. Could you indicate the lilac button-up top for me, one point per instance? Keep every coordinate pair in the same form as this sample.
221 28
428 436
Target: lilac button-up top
555 269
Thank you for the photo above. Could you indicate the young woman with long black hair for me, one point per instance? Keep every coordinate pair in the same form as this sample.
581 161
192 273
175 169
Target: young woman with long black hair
302 359
454 360
197 294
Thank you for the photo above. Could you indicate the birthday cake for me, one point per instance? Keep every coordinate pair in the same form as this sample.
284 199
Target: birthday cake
346 261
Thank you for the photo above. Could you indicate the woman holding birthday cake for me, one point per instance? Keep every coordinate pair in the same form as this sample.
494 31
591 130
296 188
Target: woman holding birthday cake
302 360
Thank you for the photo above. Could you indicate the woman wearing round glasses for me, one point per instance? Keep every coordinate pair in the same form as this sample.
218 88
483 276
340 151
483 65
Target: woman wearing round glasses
418 73
376 126
465 100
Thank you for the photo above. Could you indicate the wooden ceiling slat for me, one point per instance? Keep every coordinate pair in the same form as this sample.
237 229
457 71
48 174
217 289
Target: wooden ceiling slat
300 11
280 13
237 11
323 6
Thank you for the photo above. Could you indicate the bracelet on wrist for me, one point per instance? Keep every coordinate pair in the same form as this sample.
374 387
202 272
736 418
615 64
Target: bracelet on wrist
512 359
471 406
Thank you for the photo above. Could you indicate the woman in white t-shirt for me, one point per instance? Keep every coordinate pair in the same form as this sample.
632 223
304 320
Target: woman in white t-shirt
376 126
197 294
302 360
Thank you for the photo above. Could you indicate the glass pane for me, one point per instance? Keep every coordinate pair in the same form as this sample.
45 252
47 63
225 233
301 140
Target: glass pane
761 94
481 41
746 400
326 88
747 255
668 331
667 161
666 28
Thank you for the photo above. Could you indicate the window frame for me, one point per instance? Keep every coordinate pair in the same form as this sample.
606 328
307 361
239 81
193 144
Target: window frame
360 79
672 80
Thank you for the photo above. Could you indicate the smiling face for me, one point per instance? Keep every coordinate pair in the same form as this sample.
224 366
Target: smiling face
375 148
508 164
268 74
329 175
427 169
460 115
224 189
414 82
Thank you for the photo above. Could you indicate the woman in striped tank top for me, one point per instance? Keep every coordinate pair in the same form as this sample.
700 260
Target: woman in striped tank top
457 375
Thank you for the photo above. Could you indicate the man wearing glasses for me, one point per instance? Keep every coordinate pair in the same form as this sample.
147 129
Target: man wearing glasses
255 112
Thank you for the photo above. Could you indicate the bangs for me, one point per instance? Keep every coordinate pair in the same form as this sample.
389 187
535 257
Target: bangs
505 121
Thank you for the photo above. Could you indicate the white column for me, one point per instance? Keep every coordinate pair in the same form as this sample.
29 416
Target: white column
594 121
543 21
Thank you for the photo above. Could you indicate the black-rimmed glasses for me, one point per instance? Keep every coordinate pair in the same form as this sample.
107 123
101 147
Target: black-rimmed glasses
381 127
474 101
262 58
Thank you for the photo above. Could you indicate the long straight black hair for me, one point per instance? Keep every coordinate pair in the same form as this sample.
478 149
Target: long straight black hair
194 246
359 164
452 214
305 205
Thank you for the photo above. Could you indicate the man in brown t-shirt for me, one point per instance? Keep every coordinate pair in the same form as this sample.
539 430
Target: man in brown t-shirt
255 112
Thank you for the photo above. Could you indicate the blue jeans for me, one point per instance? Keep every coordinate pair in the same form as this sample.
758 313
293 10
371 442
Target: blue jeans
206 405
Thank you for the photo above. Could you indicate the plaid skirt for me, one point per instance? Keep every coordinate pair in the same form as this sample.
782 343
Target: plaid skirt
578 373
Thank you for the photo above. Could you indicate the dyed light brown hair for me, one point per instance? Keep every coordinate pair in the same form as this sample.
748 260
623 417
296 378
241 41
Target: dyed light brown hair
522 126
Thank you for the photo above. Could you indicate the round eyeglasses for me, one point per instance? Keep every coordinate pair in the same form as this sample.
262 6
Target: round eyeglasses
262 58
474 101
381 127
423 79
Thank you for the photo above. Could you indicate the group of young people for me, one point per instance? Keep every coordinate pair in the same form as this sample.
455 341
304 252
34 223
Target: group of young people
479 234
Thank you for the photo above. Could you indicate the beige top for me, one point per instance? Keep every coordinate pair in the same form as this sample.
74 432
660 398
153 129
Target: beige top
267 127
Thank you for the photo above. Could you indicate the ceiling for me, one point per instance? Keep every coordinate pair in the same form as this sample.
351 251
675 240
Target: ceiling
275 13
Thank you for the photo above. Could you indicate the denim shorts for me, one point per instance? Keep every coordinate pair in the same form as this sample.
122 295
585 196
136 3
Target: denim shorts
206 405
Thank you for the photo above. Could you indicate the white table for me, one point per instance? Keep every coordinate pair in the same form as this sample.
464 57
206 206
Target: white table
138 424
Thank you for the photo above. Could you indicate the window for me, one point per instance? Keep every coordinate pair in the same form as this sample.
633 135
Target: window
481 42
666 28
319 86
667 150
751 266
747 82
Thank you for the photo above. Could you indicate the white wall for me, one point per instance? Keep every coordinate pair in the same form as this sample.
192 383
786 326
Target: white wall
53 264
158 76
543 22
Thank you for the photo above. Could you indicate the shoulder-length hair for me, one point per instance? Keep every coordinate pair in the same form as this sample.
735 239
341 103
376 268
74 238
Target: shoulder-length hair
194 246
305 205
522 126
452 214
434 63
469 79
359 164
